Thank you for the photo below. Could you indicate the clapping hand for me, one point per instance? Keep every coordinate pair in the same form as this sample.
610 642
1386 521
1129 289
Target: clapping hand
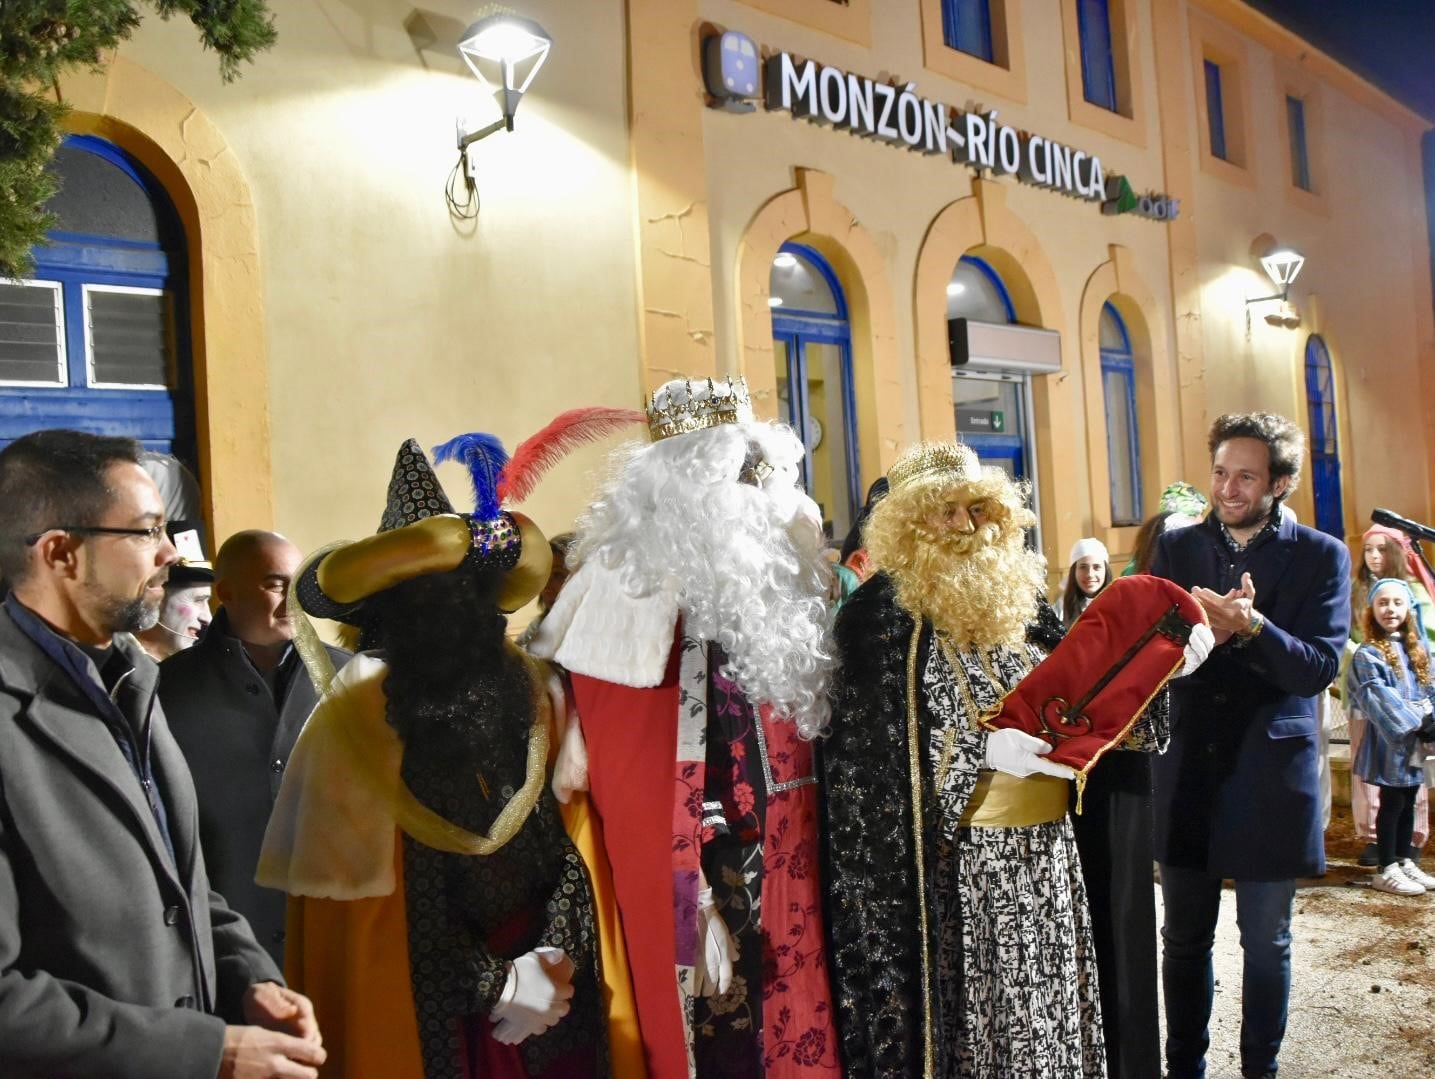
1228 614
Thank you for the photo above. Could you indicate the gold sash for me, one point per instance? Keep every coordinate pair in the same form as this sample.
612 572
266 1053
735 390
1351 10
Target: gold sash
1004 801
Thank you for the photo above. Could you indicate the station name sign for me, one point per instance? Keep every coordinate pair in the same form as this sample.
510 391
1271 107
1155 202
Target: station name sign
886 112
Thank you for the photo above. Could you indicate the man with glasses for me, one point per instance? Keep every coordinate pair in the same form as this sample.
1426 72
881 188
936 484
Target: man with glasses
116 958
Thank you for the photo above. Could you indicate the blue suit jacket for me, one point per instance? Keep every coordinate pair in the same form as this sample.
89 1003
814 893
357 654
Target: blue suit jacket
1238 793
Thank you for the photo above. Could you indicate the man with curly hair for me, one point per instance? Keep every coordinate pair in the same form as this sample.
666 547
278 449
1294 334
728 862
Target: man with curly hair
961 939
1238 796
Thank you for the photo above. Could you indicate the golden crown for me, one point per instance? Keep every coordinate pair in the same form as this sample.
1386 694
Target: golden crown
684 405
928 462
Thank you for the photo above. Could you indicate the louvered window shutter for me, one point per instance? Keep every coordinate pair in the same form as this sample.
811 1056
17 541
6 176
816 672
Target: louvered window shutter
32 338
128 332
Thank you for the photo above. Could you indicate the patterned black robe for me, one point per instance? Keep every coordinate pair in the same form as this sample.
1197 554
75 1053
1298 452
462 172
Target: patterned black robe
878 885
469 914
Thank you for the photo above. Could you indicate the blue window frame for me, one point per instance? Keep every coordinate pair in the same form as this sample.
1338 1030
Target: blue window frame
813 345
977 292
1098 68
1123 434
116 271
967 27
1215 110
1300 154
1324 438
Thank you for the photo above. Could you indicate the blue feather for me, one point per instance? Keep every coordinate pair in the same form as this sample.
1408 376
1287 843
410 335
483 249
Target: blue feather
484 457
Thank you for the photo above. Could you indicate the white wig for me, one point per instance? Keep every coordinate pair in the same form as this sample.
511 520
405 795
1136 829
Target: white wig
716 516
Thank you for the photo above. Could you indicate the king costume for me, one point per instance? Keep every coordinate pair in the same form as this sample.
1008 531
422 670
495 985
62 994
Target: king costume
696 630
440 917
961 939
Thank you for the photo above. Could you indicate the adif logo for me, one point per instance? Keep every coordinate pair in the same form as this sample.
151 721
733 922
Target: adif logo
731 70
1126 201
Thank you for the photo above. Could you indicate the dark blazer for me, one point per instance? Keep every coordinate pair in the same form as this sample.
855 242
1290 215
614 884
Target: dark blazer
237 744
115 959
1238 793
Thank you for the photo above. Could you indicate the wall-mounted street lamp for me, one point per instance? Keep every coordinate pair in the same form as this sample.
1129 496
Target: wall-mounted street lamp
504 51
1281 266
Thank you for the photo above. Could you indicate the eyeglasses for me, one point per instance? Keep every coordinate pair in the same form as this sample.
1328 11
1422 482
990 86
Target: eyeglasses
152 534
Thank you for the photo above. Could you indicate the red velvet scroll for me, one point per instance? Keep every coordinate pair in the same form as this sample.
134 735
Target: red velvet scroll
1085 697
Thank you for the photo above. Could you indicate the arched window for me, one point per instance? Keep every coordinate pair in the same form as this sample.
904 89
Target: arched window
1123 436
98 338
814 378
976 292
1324 439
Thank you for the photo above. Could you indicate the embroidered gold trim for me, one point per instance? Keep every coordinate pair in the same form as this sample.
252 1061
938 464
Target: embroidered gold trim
974 716
944 762
365 734
914 762
1083 773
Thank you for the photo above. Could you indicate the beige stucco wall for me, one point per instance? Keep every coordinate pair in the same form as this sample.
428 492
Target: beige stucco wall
620 222
1360 287
1364 286
381 318
896 195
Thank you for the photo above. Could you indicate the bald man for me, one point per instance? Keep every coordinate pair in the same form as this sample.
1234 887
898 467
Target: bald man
236 702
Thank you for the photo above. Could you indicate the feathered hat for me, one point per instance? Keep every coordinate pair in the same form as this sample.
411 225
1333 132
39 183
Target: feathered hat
419 532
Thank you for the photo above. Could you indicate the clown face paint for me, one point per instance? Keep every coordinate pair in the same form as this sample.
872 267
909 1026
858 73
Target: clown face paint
185 613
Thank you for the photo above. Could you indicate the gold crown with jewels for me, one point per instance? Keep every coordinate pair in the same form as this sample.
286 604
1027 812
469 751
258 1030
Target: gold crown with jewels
685 405
929 462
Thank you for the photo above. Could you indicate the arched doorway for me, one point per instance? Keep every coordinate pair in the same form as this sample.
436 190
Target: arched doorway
97 338
1324 438
992 398
812 352
1123 424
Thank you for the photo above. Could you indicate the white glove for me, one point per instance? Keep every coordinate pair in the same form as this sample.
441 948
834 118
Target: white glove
1198 648
570 770
713 976
1020 754
536 995
1427 707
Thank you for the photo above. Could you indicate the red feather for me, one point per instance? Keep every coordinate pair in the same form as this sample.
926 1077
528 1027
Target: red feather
568 431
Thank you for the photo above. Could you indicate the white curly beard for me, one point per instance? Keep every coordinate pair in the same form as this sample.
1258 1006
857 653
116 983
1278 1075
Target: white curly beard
745 562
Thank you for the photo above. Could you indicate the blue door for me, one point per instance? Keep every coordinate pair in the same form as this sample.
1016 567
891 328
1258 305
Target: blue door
812 341
98 337
1324 438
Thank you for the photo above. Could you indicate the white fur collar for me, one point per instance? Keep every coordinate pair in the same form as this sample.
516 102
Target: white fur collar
596 628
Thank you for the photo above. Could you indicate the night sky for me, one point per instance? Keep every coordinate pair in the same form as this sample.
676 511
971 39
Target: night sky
1390 42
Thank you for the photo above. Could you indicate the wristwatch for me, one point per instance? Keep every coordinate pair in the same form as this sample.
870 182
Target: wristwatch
1253 627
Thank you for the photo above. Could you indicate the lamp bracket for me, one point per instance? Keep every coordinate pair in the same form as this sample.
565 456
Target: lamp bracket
467 138
1282 296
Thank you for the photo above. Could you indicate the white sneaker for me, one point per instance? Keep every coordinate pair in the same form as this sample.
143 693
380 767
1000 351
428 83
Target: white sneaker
1412 869
1393 880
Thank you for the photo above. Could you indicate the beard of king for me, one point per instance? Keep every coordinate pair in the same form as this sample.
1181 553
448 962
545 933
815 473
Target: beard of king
741 550
979 588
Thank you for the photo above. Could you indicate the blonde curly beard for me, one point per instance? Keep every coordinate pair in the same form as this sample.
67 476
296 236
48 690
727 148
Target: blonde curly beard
978 588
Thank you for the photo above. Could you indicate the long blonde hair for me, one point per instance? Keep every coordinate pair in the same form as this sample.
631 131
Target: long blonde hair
1409 637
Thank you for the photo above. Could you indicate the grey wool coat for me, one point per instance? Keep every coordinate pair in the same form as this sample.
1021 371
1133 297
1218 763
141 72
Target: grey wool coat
237 744
116 958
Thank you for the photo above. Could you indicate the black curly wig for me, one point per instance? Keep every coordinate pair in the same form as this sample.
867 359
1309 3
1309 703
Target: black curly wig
452 683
